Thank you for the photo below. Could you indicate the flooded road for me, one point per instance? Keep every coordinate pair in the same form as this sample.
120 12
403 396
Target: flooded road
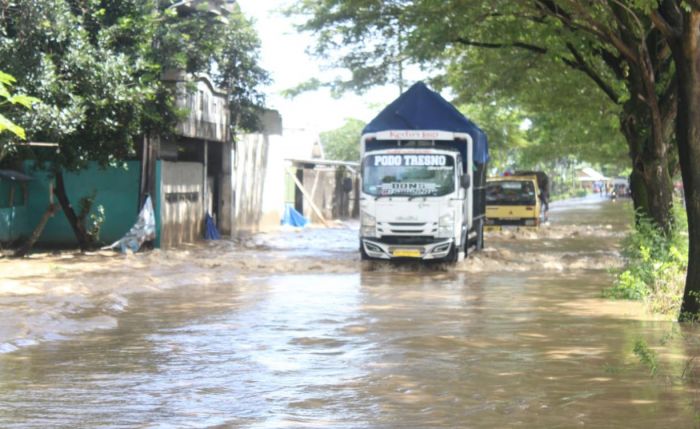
262 334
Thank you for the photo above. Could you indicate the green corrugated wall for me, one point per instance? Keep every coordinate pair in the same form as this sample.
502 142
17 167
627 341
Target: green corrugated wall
117 191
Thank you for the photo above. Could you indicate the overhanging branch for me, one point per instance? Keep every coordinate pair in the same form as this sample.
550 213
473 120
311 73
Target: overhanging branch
492 45
580 63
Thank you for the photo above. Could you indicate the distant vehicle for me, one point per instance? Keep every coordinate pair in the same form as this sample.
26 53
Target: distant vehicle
544 189
513 201
423 181
621 187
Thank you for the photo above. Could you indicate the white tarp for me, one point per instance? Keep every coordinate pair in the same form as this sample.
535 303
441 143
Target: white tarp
143 230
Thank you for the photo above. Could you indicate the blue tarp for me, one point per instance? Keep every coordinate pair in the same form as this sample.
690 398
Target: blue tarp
210 231
420 108
293 218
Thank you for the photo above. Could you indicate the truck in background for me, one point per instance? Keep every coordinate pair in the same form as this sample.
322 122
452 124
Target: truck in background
423 180
512 201
521 199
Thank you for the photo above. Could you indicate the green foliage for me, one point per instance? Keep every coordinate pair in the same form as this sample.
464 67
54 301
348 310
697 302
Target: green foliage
646 355
656 265
7 99
343 143
91 219
93 92
96 220
505 61
507 140
546 92
96 66
368 38
228 49
237 69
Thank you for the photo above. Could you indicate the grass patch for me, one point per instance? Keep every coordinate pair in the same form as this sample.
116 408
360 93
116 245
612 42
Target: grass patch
656 265
646 356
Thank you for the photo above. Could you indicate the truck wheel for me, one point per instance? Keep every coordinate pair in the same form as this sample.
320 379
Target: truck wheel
453 256
480 235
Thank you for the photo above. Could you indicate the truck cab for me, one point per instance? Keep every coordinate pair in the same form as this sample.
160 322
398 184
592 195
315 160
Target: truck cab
415 202
423 180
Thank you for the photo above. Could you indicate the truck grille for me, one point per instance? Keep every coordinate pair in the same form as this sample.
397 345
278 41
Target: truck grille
408 228
407 240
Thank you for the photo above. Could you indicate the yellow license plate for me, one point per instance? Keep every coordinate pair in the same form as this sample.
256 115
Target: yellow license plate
406 253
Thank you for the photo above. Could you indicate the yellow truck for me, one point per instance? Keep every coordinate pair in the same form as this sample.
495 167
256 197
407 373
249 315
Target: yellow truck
512 201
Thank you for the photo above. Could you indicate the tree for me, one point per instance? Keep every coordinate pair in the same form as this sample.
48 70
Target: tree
226 48
6 81
679 22
92 97
7 99
96 67
343 143
534 41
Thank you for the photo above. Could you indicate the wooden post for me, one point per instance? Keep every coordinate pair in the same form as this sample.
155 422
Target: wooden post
308 198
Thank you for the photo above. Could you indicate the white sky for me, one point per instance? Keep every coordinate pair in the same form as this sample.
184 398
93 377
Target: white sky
284 56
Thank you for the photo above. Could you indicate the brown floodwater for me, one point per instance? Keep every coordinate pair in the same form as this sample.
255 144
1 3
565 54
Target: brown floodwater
288 331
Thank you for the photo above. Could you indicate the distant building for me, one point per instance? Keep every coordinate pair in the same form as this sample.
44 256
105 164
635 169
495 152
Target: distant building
591 179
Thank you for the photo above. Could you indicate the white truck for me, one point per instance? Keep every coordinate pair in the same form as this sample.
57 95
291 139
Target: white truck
423 181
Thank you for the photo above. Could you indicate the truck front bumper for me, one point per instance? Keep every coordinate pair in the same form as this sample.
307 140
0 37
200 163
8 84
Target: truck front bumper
378 250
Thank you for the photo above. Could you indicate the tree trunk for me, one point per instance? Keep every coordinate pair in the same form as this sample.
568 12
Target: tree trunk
75 223
27 247
659 189
686 51
650 181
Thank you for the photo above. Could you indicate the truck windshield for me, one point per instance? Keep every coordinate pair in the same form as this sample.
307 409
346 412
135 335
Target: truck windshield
515 192
413 175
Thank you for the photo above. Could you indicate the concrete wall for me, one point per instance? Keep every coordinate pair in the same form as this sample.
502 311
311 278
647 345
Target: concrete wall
251 170
181 204
258 181
275 181
226 190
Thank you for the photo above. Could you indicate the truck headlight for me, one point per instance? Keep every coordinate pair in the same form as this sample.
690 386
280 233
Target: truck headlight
447 220
446 225
368 225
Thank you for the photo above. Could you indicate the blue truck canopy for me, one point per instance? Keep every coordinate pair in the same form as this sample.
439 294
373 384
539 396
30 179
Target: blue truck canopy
420 108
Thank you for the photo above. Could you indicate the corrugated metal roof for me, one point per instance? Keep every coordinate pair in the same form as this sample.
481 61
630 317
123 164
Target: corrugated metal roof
591 175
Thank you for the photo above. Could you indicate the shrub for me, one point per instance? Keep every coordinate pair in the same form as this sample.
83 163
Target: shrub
656 265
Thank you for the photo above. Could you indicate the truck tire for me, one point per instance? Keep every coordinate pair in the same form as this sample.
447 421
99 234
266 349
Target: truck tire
480 235
363 255
453 256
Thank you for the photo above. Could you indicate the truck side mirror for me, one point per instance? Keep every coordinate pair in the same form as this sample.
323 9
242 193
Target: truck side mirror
465 181
347 185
